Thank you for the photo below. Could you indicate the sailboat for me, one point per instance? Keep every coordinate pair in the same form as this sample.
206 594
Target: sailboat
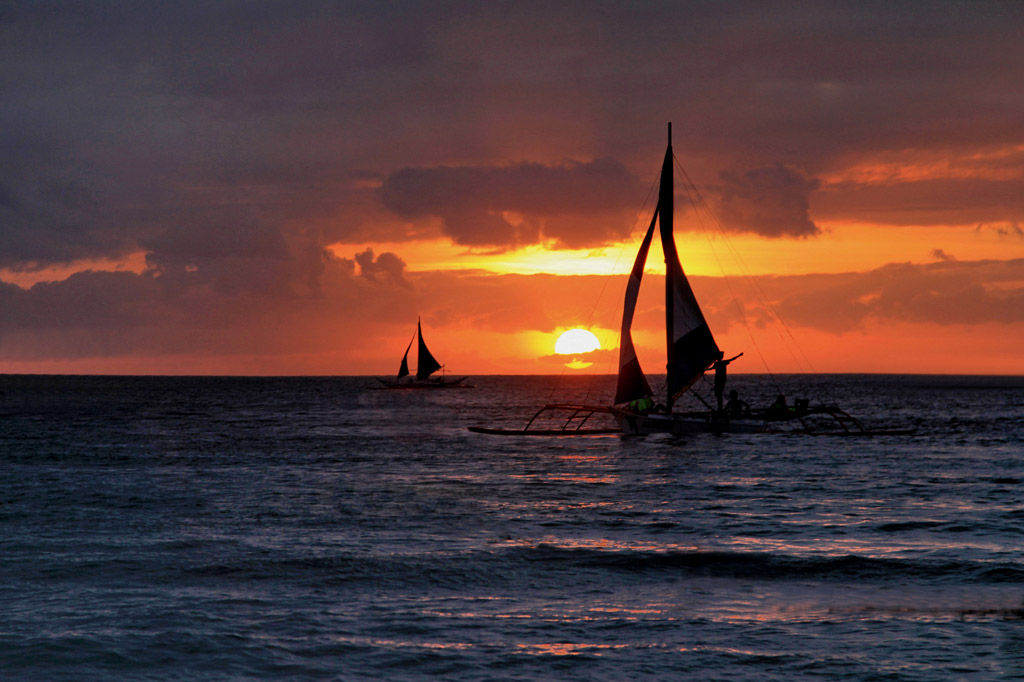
691 351
426 365
691 348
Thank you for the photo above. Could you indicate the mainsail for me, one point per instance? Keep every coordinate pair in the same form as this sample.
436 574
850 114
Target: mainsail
426 364
691 348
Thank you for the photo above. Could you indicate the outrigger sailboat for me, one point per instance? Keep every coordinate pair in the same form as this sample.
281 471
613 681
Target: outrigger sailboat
691 351
426 365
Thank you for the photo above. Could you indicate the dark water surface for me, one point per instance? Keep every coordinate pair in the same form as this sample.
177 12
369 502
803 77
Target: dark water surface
156 528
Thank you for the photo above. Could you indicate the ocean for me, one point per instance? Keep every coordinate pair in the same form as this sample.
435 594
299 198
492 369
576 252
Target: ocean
185 528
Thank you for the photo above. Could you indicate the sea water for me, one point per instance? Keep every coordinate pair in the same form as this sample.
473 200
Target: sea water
160 528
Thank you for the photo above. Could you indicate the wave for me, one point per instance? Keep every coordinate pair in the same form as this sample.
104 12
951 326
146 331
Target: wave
504 565
774 566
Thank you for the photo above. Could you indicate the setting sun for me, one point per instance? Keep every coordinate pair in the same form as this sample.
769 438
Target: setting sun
576 341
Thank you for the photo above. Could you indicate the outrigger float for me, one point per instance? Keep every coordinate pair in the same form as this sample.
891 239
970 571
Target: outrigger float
821 420
572 425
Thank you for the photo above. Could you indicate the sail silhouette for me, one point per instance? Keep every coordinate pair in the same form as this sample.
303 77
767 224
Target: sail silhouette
426 365
690 351
690 347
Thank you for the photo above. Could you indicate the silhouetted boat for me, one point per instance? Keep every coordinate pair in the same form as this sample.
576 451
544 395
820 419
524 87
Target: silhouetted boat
691 351
426 365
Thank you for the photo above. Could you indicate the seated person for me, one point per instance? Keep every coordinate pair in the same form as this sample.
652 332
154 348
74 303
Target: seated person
736 407
779 409
641 405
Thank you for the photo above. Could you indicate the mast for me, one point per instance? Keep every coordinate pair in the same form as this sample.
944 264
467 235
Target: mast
690 346
666 210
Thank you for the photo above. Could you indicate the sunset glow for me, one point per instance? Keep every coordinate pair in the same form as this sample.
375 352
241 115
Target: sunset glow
163 214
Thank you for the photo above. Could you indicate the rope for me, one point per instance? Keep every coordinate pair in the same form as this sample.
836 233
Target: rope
691 190
749 277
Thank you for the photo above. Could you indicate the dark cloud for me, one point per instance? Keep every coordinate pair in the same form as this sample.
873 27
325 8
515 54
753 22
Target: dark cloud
86 300
231 142
772 201
948 292
475 201
387 265
49 217
191 311
118 114
1003 230
946 201
8 200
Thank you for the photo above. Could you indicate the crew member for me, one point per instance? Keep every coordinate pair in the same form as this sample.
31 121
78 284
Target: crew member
719 368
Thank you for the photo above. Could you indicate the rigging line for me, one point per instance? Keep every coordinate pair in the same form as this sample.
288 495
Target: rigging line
792 344
704 380
756 286
618 257
758 295
688 185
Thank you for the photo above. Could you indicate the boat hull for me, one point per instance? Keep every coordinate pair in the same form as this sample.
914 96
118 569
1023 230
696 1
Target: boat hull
423 385
542 432
839 424
633 424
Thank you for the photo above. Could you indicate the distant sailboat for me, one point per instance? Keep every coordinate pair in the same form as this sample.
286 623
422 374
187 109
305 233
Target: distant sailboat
426 365
691 351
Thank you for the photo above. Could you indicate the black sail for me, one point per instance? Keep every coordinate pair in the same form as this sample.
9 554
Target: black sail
427 364
691 348
403 371
632 383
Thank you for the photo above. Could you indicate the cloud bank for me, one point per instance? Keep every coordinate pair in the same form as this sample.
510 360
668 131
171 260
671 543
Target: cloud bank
232 144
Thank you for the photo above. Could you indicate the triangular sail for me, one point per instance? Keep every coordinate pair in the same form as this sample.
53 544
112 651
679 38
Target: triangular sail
691 347
403 371
426 364
632 383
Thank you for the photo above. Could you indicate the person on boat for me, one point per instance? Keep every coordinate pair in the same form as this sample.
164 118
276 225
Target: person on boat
720 370
736 407
641 405
779 409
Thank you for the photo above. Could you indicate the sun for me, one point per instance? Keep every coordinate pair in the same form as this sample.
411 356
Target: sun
576 342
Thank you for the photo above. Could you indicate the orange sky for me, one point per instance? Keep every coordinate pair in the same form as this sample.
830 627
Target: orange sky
286 191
